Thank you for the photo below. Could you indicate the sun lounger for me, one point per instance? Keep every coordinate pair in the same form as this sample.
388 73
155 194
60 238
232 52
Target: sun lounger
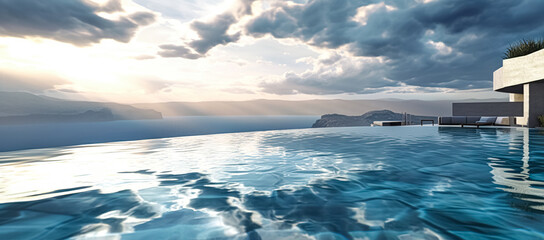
482 122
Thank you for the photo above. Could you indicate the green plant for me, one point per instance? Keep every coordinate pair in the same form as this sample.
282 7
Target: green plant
541 120
523 48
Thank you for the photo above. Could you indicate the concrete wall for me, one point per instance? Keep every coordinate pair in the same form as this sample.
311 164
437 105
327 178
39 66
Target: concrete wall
488 109
517 71
533 107
514 97
521 121
498 82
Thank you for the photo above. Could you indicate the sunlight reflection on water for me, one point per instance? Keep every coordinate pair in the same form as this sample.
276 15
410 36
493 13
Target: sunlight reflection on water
341 183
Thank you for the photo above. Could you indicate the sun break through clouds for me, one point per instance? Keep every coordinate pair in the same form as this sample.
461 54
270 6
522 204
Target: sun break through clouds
195 50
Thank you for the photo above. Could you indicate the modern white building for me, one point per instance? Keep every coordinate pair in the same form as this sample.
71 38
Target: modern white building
523 78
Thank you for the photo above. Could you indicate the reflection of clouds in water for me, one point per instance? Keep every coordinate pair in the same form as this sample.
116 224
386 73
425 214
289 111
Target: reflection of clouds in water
247 159
71 215
515 174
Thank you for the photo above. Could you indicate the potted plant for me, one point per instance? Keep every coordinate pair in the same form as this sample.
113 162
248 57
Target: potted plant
524 47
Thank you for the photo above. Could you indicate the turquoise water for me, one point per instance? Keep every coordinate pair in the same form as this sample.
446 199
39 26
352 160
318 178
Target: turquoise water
337 183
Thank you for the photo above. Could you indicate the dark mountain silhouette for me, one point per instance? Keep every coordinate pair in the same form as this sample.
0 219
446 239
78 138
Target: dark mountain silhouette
30 108
338 120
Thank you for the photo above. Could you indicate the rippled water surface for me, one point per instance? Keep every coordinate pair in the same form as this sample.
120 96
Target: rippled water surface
339 183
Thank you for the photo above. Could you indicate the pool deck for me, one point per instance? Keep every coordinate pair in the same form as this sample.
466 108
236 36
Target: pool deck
449 126
472 126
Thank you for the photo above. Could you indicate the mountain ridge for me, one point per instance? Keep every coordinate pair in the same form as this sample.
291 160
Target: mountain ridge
303 107
338 120
19 103
28 105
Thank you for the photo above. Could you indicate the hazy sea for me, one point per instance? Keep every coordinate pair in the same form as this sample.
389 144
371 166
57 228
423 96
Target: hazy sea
29 136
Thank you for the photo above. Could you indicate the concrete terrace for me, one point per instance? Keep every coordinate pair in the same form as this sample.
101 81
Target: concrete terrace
522 78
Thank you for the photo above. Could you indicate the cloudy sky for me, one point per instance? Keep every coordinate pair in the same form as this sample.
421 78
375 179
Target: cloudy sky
197 50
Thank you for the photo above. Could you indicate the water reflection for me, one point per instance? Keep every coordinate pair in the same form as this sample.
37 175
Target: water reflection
344 183
515 175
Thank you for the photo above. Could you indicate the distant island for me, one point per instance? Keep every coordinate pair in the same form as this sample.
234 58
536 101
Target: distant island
338 120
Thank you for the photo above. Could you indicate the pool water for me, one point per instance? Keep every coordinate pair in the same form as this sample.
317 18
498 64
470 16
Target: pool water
333 183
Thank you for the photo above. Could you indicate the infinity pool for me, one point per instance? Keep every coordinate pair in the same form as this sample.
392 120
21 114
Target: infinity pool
336 183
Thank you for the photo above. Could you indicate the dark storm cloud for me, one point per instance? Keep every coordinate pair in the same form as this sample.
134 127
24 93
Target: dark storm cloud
322 23
215 32
440 44
211 33
73 21
473 33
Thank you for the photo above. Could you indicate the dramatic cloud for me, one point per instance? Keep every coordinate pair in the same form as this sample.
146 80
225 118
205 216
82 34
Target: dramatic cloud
211 33
450 44
74 21
333 74
438 44
36 82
